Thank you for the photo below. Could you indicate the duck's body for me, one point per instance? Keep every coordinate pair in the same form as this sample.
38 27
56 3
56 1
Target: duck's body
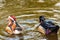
17 32
47 27
14 29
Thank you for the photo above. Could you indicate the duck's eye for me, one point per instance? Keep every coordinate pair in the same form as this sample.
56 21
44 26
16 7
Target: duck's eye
12 20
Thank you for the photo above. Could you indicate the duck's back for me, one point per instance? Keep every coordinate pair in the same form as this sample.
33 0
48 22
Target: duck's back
18 27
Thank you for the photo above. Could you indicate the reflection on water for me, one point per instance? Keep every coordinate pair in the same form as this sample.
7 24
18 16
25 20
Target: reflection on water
52 36
12 37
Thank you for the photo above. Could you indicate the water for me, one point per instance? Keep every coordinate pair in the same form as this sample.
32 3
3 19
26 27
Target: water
27 15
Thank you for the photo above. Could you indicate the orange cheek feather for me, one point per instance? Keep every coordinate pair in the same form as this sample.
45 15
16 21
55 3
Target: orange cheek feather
13 27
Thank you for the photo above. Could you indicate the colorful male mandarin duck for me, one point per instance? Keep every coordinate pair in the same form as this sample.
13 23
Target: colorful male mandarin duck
13 27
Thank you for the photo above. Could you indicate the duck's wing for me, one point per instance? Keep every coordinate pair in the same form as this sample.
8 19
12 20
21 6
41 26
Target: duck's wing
41 30
19 27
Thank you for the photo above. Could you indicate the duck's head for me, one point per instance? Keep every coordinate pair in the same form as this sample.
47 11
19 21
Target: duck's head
11 18
41 18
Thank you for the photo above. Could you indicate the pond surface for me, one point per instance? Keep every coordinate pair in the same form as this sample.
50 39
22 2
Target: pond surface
27 17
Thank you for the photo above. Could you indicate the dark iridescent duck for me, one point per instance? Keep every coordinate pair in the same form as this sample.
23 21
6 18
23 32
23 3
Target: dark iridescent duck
45 27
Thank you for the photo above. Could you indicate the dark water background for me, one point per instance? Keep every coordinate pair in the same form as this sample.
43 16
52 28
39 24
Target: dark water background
27 13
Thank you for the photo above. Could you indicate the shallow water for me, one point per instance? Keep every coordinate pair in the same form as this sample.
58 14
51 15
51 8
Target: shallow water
27 16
